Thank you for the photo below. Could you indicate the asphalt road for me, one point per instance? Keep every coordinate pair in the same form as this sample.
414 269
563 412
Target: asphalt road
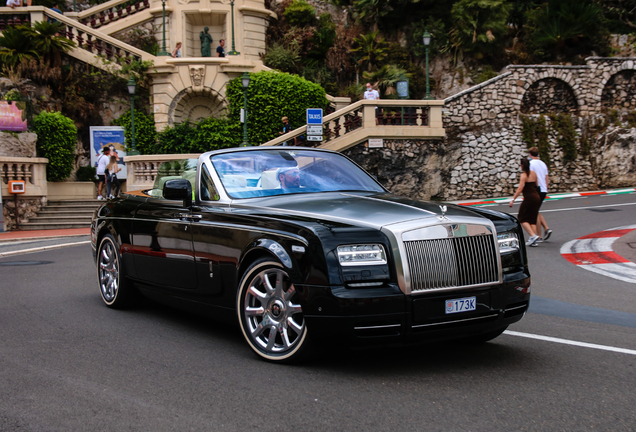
68 363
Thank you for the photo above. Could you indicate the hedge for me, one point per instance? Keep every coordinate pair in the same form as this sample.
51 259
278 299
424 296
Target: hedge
57 138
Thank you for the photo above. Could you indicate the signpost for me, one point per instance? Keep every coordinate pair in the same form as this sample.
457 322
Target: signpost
314 124
17 187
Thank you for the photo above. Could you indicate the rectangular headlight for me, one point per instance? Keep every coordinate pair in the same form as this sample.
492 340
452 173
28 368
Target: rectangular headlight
361 254
508 242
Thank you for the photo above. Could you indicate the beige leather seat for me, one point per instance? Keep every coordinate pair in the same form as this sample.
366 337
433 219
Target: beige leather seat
269 179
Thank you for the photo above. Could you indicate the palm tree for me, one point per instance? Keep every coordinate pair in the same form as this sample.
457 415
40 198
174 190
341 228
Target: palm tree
372 49
386 78
15 47
46 40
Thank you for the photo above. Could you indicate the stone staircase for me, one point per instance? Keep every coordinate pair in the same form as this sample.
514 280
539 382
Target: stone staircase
63 214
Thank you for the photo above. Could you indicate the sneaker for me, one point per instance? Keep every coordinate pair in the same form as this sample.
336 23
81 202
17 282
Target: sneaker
532 240
100 197
535 244
111 197
548 233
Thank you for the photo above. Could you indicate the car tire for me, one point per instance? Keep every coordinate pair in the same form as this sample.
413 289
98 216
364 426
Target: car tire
116 291
269 314
485 337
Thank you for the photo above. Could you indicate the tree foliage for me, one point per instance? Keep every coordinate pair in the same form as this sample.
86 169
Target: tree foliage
270 96
57 137
145 131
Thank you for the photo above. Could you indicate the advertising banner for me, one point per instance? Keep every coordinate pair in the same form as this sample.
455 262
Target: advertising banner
11 117
109 136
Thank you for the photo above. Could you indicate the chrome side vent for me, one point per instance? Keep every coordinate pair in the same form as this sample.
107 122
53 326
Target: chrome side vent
452 262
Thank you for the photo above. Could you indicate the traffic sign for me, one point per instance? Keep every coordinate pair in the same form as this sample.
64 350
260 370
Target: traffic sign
314 130
314 137
314 116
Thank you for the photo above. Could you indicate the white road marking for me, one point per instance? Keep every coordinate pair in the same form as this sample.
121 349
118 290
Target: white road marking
571 342
40 249
585 208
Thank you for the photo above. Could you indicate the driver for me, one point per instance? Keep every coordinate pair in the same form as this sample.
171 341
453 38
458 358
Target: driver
289 177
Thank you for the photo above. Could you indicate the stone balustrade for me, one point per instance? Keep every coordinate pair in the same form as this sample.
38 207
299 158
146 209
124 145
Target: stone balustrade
142 169
373 119
31 170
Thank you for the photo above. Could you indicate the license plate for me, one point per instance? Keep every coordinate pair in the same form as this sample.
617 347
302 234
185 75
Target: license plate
461 305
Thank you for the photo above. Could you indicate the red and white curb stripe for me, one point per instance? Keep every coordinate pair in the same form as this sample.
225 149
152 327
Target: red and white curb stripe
550 197
594 252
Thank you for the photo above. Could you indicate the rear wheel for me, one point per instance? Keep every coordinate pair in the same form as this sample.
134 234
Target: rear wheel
269 313
117 292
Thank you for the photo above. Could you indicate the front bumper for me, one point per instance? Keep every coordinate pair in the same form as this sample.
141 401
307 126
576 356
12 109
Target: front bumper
385 315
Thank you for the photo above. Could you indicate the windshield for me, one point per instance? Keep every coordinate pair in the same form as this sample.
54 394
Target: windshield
278 172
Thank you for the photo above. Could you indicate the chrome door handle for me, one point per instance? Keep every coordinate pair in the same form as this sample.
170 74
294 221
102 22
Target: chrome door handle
188 216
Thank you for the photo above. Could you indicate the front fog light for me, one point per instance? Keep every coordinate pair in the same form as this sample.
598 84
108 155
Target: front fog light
508 242
363 254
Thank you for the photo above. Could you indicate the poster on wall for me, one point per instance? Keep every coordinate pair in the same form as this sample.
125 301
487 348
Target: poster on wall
11 117
109 136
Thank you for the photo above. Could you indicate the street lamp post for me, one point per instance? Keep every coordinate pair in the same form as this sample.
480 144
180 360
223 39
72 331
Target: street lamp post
131 91
427 42
245 81
233 51
163 52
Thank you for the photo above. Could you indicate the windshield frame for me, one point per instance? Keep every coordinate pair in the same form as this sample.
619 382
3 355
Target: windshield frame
240 173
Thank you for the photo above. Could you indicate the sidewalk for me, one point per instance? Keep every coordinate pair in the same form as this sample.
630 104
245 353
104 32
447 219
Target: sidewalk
43 234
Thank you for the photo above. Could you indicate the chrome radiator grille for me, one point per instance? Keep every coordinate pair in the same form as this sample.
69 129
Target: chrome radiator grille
452 262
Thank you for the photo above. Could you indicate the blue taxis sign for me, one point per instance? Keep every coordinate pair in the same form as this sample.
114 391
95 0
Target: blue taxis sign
314 116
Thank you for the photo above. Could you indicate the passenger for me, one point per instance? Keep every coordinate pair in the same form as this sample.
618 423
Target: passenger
289 178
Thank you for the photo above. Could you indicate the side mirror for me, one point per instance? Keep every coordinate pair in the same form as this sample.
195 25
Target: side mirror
178 189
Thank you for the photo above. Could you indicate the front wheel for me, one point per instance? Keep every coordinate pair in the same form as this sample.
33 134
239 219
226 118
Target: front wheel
270 316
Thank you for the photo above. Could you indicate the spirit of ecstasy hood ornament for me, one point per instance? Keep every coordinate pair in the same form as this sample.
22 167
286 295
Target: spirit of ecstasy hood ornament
443 208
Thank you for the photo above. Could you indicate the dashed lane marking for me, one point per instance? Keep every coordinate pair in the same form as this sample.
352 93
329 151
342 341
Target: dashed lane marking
594 252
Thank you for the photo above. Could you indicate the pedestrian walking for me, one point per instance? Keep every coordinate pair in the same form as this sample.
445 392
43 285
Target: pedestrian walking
286 128
111 178
102 163
531 201
541 169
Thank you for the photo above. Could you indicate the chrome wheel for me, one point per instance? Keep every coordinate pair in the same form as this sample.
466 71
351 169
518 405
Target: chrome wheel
271 318
108 271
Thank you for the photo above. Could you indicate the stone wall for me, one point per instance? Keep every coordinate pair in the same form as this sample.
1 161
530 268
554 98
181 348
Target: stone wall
28 208
18 144
480 155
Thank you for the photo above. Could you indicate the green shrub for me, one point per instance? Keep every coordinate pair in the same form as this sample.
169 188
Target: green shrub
283 59
57 137
300 13
145 131
213 134
178 139
270 96
86 173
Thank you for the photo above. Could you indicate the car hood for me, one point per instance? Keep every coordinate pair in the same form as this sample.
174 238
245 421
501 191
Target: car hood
353 208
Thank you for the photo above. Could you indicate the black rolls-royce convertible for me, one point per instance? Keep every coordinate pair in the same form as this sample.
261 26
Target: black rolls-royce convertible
302 246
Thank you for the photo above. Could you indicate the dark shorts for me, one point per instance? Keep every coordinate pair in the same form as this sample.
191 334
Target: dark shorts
101 177
543 195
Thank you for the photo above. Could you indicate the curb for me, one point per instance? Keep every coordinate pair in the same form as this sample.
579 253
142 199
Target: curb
549 197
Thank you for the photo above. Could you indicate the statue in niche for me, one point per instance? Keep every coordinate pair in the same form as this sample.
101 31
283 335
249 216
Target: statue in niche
206 43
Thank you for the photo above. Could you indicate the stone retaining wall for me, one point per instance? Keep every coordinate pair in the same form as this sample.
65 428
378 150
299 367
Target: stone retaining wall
480 155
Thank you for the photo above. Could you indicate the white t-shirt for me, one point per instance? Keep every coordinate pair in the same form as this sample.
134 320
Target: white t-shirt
541 169
14 3
102 163
372 94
